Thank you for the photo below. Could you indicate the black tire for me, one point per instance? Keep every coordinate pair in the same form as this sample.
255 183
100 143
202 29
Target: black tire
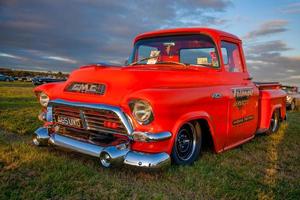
7 79
293 105
275 122
187 145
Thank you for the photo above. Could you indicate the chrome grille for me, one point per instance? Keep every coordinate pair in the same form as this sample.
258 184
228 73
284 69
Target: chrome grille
91 119
93 136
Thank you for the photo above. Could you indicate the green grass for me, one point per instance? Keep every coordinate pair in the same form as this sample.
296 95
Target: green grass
268 167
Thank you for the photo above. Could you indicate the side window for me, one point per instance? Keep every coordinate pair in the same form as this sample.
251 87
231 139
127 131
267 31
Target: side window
199 56
231 57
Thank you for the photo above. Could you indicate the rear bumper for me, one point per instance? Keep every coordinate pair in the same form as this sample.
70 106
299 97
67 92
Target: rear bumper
118 155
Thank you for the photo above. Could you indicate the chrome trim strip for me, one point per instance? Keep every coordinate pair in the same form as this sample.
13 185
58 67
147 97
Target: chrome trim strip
150 137
115 109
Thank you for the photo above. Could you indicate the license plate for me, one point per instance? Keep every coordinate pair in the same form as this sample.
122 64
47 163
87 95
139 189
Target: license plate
69 121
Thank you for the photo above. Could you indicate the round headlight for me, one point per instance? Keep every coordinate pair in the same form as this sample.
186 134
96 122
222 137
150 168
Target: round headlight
44 99
141 111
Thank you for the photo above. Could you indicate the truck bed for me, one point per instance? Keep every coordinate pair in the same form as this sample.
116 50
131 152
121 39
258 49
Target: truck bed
271 97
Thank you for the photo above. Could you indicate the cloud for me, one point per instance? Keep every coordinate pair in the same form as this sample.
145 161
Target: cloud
268 47
264 67
295 77
11 56
267 62
67 60
290 71
91 31
268 28
293 8
60 35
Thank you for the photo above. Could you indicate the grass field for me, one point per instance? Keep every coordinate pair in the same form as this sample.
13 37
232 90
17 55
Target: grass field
268 167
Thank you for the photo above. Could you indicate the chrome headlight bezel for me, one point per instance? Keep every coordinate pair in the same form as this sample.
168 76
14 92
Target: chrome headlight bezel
44 99
141 111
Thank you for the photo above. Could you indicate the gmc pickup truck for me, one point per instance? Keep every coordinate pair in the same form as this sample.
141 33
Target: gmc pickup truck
180 89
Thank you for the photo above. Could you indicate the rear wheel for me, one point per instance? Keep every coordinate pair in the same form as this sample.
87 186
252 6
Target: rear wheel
275 122
293 105
187 145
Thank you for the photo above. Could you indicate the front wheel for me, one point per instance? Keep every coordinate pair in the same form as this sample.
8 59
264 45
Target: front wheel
187 145
274 123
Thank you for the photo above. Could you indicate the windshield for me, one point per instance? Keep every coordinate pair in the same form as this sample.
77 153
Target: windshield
198 50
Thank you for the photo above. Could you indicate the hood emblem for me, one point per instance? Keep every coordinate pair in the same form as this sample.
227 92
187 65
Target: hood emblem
89 88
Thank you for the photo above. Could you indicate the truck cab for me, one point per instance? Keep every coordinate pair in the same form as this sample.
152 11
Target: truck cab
181 89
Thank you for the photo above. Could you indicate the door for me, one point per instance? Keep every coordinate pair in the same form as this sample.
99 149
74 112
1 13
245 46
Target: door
243 98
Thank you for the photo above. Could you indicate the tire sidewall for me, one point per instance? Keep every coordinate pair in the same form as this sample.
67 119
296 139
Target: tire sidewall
176 160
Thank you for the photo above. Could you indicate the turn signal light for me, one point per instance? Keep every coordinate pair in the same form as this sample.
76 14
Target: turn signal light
109 124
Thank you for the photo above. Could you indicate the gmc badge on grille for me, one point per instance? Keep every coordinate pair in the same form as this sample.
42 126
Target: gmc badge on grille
91 88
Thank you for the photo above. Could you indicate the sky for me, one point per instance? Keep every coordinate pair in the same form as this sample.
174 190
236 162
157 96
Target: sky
61 35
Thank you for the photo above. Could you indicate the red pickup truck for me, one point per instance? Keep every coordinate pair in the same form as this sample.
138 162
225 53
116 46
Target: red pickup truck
180 89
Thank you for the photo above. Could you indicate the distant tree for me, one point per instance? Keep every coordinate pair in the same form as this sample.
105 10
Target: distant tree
59 74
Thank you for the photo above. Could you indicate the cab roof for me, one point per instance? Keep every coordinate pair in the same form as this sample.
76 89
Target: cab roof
214 33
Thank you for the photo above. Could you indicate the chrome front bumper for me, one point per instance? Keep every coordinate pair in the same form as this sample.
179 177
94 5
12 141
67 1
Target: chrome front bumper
115 155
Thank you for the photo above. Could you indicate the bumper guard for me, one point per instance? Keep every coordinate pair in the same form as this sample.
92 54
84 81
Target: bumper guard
109 156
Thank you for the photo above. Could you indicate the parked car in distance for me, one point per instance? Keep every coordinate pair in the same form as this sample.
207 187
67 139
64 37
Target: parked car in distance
43 80
293 97
6 78
181 89
25 78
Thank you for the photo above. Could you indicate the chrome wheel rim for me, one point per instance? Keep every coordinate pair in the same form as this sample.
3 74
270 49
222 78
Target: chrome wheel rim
186 142
274 122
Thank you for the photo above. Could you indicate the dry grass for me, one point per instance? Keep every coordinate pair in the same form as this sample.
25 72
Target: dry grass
268 167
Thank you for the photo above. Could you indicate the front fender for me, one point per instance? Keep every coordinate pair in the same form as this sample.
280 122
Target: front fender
173 107
49 88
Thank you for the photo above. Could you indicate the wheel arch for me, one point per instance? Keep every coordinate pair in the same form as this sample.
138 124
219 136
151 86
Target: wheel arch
206 124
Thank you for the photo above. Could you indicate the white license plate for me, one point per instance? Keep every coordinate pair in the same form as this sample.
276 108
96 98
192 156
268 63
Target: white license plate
69 121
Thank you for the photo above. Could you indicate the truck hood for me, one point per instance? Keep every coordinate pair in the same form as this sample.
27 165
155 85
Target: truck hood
123 81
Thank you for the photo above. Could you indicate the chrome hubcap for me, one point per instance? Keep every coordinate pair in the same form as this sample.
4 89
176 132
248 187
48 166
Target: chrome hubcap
274 122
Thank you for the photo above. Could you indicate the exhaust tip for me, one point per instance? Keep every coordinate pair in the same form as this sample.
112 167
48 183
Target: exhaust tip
105 159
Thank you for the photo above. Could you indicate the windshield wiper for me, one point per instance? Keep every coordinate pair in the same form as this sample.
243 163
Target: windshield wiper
144 59
172 62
